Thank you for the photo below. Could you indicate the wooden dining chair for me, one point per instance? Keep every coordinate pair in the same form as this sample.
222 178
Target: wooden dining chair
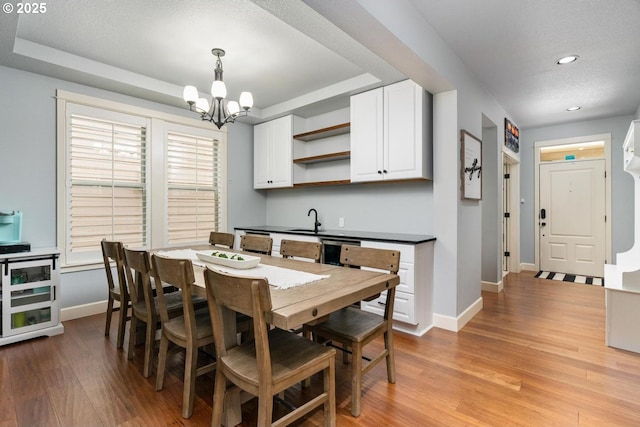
220 238
144 304
353 328
271 362
190 331
300 249
256 243
112 251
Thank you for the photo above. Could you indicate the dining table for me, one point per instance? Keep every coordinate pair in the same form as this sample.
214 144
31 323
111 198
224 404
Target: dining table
327 288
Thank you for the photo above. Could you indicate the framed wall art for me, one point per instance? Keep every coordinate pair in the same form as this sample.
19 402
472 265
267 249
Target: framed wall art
511 136
471 160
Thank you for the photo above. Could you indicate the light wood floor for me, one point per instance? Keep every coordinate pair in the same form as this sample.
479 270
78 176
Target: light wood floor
534 356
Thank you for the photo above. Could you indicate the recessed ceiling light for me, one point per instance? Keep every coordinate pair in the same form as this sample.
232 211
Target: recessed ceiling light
576 108
567 59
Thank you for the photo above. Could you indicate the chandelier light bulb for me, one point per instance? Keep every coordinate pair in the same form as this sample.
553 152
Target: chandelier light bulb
233 108
190 94
202 105
218 89
246 100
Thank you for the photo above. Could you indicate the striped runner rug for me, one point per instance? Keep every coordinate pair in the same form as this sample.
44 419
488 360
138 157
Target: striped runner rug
598 281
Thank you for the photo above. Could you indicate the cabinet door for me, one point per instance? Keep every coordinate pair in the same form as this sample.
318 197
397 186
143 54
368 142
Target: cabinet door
404 304
272 154
403 131
366 136
281 152
261 144
29 296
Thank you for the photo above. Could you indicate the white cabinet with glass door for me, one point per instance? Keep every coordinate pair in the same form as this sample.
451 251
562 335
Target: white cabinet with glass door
273 153
30 285
391 133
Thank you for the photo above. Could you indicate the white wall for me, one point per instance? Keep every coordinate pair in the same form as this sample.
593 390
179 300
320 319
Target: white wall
621 182
395 208
28 168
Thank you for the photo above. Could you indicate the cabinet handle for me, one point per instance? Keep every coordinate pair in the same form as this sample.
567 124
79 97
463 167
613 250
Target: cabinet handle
382 303
380 172
384 171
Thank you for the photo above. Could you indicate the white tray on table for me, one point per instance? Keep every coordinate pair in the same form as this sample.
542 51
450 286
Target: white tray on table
231 260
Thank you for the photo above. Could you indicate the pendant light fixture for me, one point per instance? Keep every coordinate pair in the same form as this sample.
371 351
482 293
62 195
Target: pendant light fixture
221 111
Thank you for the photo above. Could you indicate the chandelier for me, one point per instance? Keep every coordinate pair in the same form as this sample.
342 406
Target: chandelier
221 111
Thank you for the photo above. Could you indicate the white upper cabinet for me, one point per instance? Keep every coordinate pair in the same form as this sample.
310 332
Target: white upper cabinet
367 136
272 153
391 133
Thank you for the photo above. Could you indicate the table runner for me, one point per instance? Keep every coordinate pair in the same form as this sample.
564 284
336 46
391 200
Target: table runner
282 278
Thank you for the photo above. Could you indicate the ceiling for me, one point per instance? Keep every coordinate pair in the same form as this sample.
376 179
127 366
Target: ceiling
294 60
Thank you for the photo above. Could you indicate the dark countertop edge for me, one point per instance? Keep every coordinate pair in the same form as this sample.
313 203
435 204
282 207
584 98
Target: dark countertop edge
412 239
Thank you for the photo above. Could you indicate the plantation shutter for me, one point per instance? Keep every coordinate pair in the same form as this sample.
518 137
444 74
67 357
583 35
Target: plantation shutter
193 187
106 180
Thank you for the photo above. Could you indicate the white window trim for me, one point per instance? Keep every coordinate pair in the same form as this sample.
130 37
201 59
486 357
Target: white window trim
156 157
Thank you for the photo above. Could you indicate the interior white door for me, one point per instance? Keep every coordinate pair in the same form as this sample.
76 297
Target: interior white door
572 217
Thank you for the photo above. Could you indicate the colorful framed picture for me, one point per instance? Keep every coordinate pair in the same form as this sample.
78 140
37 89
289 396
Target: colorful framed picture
511 136
471 170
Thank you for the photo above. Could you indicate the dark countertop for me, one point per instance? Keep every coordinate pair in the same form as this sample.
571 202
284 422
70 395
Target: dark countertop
412 239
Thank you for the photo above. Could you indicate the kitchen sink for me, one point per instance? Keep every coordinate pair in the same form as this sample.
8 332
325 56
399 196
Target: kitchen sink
302 230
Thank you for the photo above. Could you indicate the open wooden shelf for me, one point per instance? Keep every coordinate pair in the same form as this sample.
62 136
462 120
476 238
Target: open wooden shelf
324 132
323 158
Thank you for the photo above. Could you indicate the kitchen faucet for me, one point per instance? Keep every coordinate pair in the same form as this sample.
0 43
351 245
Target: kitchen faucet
316 224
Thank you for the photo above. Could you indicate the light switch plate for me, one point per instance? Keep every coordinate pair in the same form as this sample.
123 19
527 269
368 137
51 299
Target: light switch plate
340 222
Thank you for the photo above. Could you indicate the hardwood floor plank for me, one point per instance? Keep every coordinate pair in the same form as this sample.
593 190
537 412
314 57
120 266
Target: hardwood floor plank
36 411
7 404
72 405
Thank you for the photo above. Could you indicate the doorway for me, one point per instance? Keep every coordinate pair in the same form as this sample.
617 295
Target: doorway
510 214
572 196
506 217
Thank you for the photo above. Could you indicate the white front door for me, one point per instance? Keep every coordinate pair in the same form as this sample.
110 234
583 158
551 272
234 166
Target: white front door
572 217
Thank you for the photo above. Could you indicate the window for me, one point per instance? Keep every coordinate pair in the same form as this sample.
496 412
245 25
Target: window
193 187
574 151
145 178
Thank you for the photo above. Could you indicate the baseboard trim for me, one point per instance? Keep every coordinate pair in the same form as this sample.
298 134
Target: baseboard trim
84 310
454 324
528 267
416 330
492 286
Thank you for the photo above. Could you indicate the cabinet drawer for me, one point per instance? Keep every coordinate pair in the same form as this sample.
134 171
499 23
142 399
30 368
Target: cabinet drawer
406 273
403 308
407 278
